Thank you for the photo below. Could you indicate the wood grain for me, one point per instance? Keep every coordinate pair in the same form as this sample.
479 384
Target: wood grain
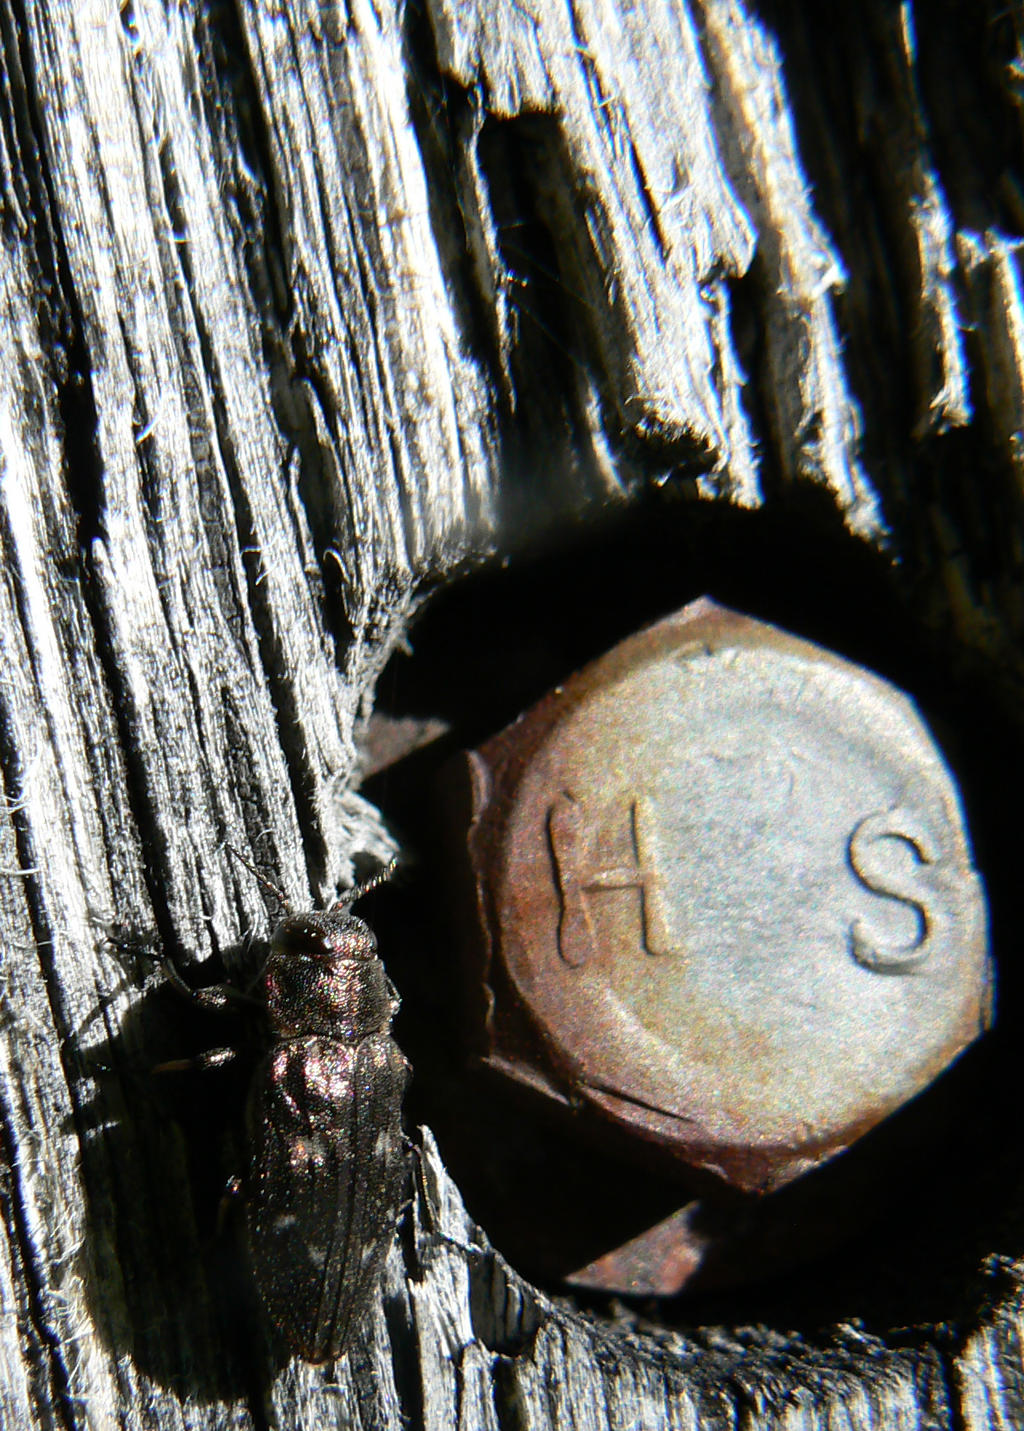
304 311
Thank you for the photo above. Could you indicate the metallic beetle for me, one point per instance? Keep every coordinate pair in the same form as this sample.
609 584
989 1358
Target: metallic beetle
327 1164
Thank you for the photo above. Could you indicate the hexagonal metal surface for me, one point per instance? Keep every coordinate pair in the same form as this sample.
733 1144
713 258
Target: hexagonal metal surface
725 882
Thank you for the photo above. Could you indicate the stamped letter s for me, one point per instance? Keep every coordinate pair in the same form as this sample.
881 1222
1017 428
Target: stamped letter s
870 850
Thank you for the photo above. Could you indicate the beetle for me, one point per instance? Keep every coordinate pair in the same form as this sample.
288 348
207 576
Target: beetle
327 1168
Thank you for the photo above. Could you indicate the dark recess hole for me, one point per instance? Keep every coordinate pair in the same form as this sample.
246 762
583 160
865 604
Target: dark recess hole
893 1233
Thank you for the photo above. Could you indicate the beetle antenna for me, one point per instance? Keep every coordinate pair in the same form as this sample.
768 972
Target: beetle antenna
268 884
374 882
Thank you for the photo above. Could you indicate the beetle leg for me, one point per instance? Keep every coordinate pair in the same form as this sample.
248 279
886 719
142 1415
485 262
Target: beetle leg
233 1190
214 996
212 1058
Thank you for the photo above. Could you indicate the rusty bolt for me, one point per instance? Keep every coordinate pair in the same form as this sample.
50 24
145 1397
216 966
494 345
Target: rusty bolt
726 899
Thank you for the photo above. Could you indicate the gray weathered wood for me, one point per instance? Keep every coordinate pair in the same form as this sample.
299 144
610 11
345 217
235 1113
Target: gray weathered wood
261 351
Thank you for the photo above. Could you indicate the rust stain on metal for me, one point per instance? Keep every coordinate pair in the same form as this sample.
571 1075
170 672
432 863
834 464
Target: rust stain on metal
726 898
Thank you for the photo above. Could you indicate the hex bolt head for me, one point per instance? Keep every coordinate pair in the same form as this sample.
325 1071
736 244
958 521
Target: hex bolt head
725 898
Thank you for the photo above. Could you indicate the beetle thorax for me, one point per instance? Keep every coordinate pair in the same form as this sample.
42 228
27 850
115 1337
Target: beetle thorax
322 978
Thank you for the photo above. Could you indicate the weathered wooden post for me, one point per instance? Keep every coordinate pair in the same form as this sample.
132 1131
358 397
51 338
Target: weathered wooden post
303 308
